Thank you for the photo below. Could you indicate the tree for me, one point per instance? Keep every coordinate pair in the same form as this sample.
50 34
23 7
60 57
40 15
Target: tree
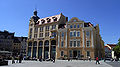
117 49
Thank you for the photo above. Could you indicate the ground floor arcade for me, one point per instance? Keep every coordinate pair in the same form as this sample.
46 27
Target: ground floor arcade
45 49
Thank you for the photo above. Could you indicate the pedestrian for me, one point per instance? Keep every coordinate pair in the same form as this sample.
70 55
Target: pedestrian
20 58
97 60
68 59
17 59
53 59
40 59
13 60
89 58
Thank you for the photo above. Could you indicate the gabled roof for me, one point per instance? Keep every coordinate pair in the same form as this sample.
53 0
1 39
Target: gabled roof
74 19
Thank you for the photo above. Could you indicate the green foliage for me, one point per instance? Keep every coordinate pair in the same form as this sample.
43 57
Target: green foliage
117 49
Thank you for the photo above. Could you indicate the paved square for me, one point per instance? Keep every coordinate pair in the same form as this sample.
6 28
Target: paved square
58 63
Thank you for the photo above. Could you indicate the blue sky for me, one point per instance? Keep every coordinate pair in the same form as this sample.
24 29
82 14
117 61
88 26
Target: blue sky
15 14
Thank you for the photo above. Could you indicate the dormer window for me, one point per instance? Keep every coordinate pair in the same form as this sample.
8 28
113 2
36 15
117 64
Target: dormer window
54 18
37 22
43 21
48 20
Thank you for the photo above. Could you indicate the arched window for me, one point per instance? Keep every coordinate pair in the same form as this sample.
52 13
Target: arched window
53 42
30 44
46 43
35 43
40 43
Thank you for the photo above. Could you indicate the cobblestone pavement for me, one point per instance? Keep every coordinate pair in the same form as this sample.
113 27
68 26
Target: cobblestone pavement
59 63
114 64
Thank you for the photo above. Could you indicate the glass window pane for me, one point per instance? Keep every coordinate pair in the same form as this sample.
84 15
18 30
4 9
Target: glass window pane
74 43
74 26
70 43
75 34
71 26
78 26
78 43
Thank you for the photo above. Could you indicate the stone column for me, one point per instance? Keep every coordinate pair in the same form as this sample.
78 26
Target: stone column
83 37
32 50
49 48
43 51
37 50
92 38
65 38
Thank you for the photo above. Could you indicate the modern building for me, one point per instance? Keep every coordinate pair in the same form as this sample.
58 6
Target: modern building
55 36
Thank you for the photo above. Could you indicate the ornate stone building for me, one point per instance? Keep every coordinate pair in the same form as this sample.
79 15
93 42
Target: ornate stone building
42 37
55 36
79 40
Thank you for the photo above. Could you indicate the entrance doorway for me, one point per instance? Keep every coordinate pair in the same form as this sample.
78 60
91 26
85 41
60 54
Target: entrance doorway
74 54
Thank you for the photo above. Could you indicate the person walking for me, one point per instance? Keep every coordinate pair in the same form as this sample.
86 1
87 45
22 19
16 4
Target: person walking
13 60
53 59
97 60
40 59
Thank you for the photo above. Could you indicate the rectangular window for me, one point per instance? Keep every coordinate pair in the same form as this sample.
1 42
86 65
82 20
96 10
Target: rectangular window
88 43
74 26
78 26
78 43
41 35
71 26
71 43
74 43
74 33
62 43
47 28
46 34
35 35
78 34
36 29
88 53
87 33
41 29
70 34
62 34
53 26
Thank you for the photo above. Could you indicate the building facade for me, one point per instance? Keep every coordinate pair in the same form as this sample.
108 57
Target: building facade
79 40
6 40
55 36
19 46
